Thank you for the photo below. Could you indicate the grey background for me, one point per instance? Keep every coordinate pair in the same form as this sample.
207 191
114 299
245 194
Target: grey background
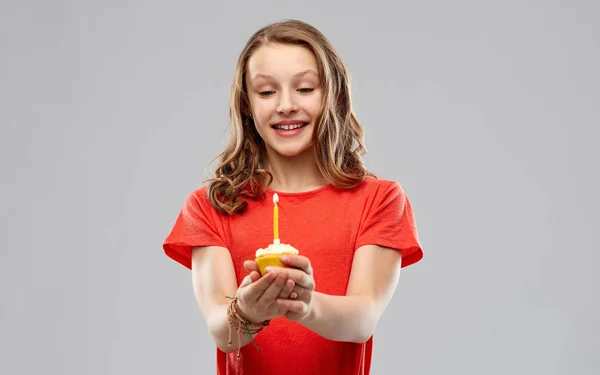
486 112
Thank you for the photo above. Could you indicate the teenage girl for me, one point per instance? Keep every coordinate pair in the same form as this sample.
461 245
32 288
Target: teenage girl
294 134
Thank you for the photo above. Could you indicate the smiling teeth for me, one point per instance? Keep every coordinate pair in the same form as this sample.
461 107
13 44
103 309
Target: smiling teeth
289 127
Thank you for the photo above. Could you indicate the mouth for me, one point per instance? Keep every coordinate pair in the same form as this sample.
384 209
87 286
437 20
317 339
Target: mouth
289 127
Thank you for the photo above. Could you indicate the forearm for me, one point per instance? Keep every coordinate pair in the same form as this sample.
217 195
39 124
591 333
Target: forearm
342 318
218 326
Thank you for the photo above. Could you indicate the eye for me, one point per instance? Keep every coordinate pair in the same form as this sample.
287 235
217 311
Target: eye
305 90
266 93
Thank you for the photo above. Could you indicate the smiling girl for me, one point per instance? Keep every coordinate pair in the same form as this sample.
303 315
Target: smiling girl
294 134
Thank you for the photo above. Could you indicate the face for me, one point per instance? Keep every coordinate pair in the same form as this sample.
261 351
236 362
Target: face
284 91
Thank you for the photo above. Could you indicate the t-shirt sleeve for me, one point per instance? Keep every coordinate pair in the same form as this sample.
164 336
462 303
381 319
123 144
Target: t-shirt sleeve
197 224
390 223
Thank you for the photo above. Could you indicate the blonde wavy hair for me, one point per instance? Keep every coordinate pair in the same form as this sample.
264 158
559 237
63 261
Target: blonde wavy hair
338 139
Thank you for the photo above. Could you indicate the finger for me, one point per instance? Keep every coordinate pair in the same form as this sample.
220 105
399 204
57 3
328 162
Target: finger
287 289
298 307
300 277
298 261
250 278
253 291
254 276
246 281
251 265
272 292
301 294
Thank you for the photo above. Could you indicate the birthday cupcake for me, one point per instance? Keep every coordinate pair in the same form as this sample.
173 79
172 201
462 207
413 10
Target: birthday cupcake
271 255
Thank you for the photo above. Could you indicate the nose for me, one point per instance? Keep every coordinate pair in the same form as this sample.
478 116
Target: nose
287 104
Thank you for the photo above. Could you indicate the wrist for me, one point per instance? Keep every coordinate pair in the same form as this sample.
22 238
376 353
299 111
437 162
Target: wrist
240 324
241 312
312 313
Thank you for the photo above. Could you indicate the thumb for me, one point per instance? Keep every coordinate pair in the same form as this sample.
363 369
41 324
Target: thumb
250 265
250 278
254 276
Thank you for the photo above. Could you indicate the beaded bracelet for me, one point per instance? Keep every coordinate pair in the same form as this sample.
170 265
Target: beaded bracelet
244 326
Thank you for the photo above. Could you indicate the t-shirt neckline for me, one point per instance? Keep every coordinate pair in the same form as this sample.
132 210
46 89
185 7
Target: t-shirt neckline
299 193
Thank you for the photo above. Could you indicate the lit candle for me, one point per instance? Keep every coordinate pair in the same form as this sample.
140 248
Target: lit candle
276 219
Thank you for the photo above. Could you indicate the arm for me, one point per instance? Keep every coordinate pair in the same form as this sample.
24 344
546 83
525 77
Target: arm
353 317
213 278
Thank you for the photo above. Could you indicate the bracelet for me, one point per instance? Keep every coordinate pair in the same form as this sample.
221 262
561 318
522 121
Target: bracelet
243 325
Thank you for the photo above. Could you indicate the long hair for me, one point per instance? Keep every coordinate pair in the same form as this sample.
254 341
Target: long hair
338 139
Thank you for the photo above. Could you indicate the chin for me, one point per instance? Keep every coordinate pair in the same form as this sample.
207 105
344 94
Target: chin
290 152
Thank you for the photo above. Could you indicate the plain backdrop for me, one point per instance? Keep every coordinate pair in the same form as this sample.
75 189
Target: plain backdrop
486 112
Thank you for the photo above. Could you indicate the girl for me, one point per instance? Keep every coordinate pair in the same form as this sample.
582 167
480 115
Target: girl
294 134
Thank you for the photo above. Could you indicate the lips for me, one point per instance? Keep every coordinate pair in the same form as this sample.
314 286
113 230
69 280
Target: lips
289 126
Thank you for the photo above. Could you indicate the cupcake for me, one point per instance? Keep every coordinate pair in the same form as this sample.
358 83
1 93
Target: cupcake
271 255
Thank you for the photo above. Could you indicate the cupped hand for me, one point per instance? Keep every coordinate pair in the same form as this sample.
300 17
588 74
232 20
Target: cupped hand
299 269
257 296
252 267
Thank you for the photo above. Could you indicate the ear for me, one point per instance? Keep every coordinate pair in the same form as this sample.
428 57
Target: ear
247 111
245 107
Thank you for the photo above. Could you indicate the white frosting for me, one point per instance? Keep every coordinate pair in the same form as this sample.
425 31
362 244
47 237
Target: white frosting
277 248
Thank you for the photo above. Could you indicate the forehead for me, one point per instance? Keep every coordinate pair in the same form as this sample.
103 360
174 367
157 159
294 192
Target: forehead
281 61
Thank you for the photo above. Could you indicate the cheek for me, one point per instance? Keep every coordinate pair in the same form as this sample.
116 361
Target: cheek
262 112
314 107
314 102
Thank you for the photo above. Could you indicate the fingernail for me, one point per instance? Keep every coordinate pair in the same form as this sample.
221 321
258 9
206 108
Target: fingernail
268 269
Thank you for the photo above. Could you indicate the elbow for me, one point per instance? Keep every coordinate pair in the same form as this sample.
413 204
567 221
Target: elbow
221 340
225 348
365 334
221 344
361 339
370 317
218 333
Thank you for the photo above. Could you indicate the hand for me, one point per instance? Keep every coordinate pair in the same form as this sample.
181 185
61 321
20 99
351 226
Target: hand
252 267
298 306
257 295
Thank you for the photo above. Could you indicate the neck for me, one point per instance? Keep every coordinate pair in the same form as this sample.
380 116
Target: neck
294 174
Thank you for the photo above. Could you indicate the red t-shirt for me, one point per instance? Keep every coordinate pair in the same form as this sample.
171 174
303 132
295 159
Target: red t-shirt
326 225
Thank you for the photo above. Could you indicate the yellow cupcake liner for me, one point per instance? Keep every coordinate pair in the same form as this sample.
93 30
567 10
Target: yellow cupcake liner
270 260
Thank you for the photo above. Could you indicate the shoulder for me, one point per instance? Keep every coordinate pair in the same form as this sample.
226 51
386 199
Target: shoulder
380 192
381 183
378 187
200 194
198 198
199 204
367 195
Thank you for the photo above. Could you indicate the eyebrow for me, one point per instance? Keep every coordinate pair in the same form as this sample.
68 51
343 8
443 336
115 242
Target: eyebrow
299 74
